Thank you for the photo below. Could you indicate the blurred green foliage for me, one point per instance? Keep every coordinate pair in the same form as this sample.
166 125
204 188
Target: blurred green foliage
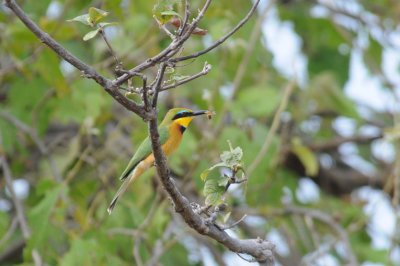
91 138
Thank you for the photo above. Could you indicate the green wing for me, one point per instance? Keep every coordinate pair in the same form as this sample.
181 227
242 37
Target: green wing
143 152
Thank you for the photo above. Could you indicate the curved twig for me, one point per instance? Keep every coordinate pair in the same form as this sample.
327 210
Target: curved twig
223 38
274 127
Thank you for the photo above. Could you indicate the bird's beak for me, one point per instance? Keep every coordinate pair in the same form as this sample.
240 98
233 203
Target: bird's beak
202 112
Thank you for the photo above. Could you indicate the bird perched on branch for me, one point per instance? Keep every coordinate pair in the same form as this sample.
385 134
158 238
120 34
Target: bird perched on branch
171 132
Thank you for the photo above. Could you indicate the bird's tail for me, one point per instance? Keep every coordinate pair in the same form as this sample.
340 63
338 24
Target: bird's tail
120 191
139 169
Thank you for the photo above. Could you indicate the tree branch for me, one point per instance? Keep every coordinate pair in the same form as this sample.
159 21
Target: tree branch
336 142
87 70
223 38
103 35
185 18
327 219
206 69
54 45
157 85
261 250
274 127
172 49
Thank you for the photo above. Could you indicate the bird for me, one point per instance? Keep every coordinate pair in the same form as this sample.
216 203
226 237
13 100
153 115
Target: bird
171 132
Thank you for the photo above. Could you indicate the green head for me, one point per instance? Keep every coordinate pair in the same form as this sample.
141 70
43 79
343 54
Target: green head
181 116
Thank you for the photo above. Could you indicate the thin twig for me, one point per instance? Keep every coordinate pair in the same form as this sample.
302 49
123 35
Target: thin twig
327 219
164 243
226 227
103 35
157 85
241 70
206 69
193 25
172 49
222 39
20 212
274 127
38 142
19 208
322 250
145 93
246 259
185 19
135 250
122 231
10 231
162 26
336 142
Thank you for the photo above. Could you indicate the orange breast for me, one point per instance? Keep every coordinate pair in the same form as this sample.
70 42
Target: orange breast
175 137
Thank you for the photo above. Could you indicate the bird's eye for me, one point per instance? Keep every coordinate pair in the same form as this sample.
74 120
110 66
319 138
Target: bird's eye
180 114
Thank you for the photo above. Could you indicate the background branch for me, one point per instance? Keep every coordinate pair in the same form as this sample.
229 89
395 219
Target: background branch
39 143
274 127
19 208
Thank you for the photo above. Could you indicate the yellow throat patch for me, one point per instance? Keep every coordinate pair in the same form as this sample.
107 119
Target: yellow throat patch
184 121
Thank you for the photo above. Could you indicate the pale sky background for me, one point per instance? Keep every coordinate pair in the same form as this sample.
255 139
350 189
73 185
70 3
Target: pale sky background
364 89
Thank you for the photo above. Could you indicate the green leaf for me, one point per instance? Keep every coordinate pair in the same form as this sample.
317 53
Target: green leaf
96 15
84 19
164 10
373 53
168 14
91 34
213 191
223 181
52 75
233 157
259 101
39 216
108 24
306 156
206 172
169 70
80 252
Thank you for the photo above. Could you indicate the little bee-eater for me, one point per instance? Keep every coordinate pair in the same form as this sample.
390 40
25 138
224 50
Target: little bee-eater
171 131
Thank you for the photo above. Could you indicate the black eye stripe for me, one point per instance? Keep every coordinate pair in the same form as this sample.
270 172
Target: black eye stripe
182 114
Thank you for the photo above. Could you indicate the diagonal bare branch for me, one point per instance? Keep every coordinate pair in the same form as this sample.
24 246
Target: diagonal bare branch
261 250
86 70
223 38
